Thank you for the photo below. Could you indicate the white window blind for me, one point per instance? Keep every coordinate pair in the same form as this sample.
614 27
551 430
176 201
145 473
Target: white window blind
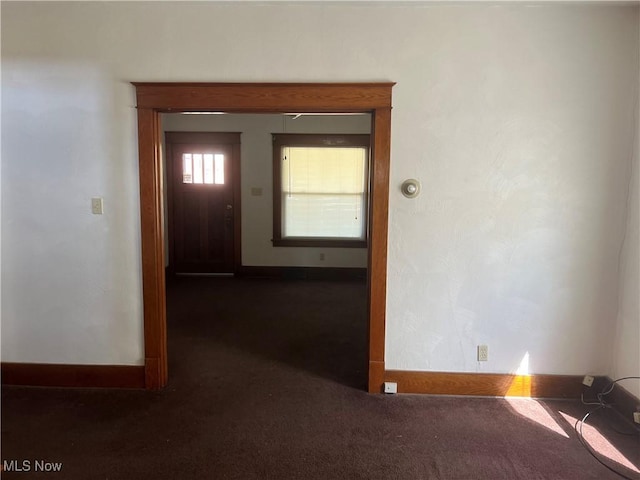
324 192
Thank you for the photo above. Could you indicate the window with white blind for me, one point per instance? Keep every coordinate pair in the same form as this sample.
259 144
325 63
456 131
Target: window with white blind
320 190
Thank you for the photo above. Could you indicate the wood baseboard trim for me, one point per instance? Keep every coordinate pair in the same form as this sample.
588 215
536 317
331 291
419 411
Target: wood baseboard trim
304 273
486 384
78 376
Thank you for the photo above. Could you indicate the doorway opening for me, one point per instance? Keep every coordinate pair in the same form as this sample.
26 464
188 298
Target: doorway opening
298 296
202 204
156 98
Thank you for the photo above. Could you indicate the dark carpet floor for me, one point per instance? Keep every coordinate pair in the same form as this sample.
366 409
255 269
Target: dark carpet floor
267 381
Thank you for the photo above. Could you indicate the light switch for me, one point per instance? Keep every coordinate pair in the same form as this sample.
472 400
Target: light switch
256 191
96 206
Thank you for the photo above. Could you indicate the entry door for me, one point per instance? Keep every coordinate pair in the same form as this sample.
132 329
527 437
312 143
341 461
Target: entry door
202 204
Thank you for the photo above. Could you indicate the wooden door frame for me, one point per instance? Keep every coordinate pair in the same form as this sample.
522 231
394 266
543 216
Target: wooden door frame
231 139
156 98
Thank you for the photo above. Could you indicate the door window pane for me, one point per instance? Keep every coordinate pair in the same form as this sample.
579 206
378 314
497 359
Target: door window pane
201 168
197 168
219 169
187 168
208 168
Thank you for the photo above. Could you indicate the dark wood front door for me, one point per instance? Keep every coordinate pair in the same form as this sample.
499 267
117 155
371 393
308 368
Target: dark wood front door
202 206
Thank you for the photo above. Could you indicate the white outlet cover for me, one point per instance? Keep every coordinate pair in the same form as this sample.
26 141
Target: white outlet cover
390 387
483 353
588 380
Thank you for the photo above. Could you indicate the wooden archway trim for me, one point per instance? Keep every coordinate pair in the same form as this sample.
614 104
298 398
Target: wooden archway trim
155 98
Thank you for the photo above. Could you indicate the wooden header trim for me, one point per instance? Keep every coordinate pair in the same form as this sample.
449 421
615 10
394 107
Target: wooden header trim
264 84
81 376
486 384
265 97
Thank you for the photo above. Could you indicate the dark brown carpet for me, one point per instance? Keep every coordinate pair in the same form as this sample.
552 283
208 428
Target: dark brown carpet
267 381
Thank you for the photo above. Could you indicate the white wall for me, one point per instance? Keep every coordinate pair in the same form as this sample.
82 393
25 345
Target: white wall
626 350
257 172
517 120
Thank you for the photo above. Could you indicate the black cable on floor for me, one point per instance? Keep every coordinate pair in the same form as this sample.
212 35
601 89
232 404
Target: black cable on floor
601 405
589 449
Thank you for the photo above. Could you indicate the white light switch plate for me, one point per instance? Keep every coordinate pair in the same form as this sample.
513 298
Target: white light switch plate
96 206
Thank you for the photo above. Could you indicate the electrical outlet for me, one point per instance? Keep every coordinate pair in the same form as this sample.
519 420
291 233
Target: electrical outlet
322 256
483 353
587 380
390 387
636 417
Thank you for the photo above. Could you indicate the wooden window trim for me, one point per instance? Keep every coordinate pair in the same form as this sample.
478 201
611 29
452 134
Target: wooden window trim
310 140
155 98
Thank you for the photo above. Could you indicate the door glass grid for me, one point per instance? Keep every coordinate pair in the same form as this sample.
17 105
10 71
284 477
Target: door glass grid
207 169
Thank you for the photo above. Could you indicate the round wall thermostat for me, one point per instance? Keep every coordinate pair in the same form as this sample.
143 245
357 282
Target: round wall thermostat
411 188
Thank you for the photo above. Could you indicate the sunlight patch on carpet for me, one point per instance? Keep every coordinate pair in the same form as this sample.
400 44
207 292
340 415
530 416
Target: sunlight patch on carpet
600 444
534 411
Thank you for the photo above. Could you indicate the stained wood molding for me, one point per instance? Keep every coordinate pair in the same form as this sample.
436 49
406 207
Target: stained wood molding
376 376
152 247
378 232
486 384
82 376
265 97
